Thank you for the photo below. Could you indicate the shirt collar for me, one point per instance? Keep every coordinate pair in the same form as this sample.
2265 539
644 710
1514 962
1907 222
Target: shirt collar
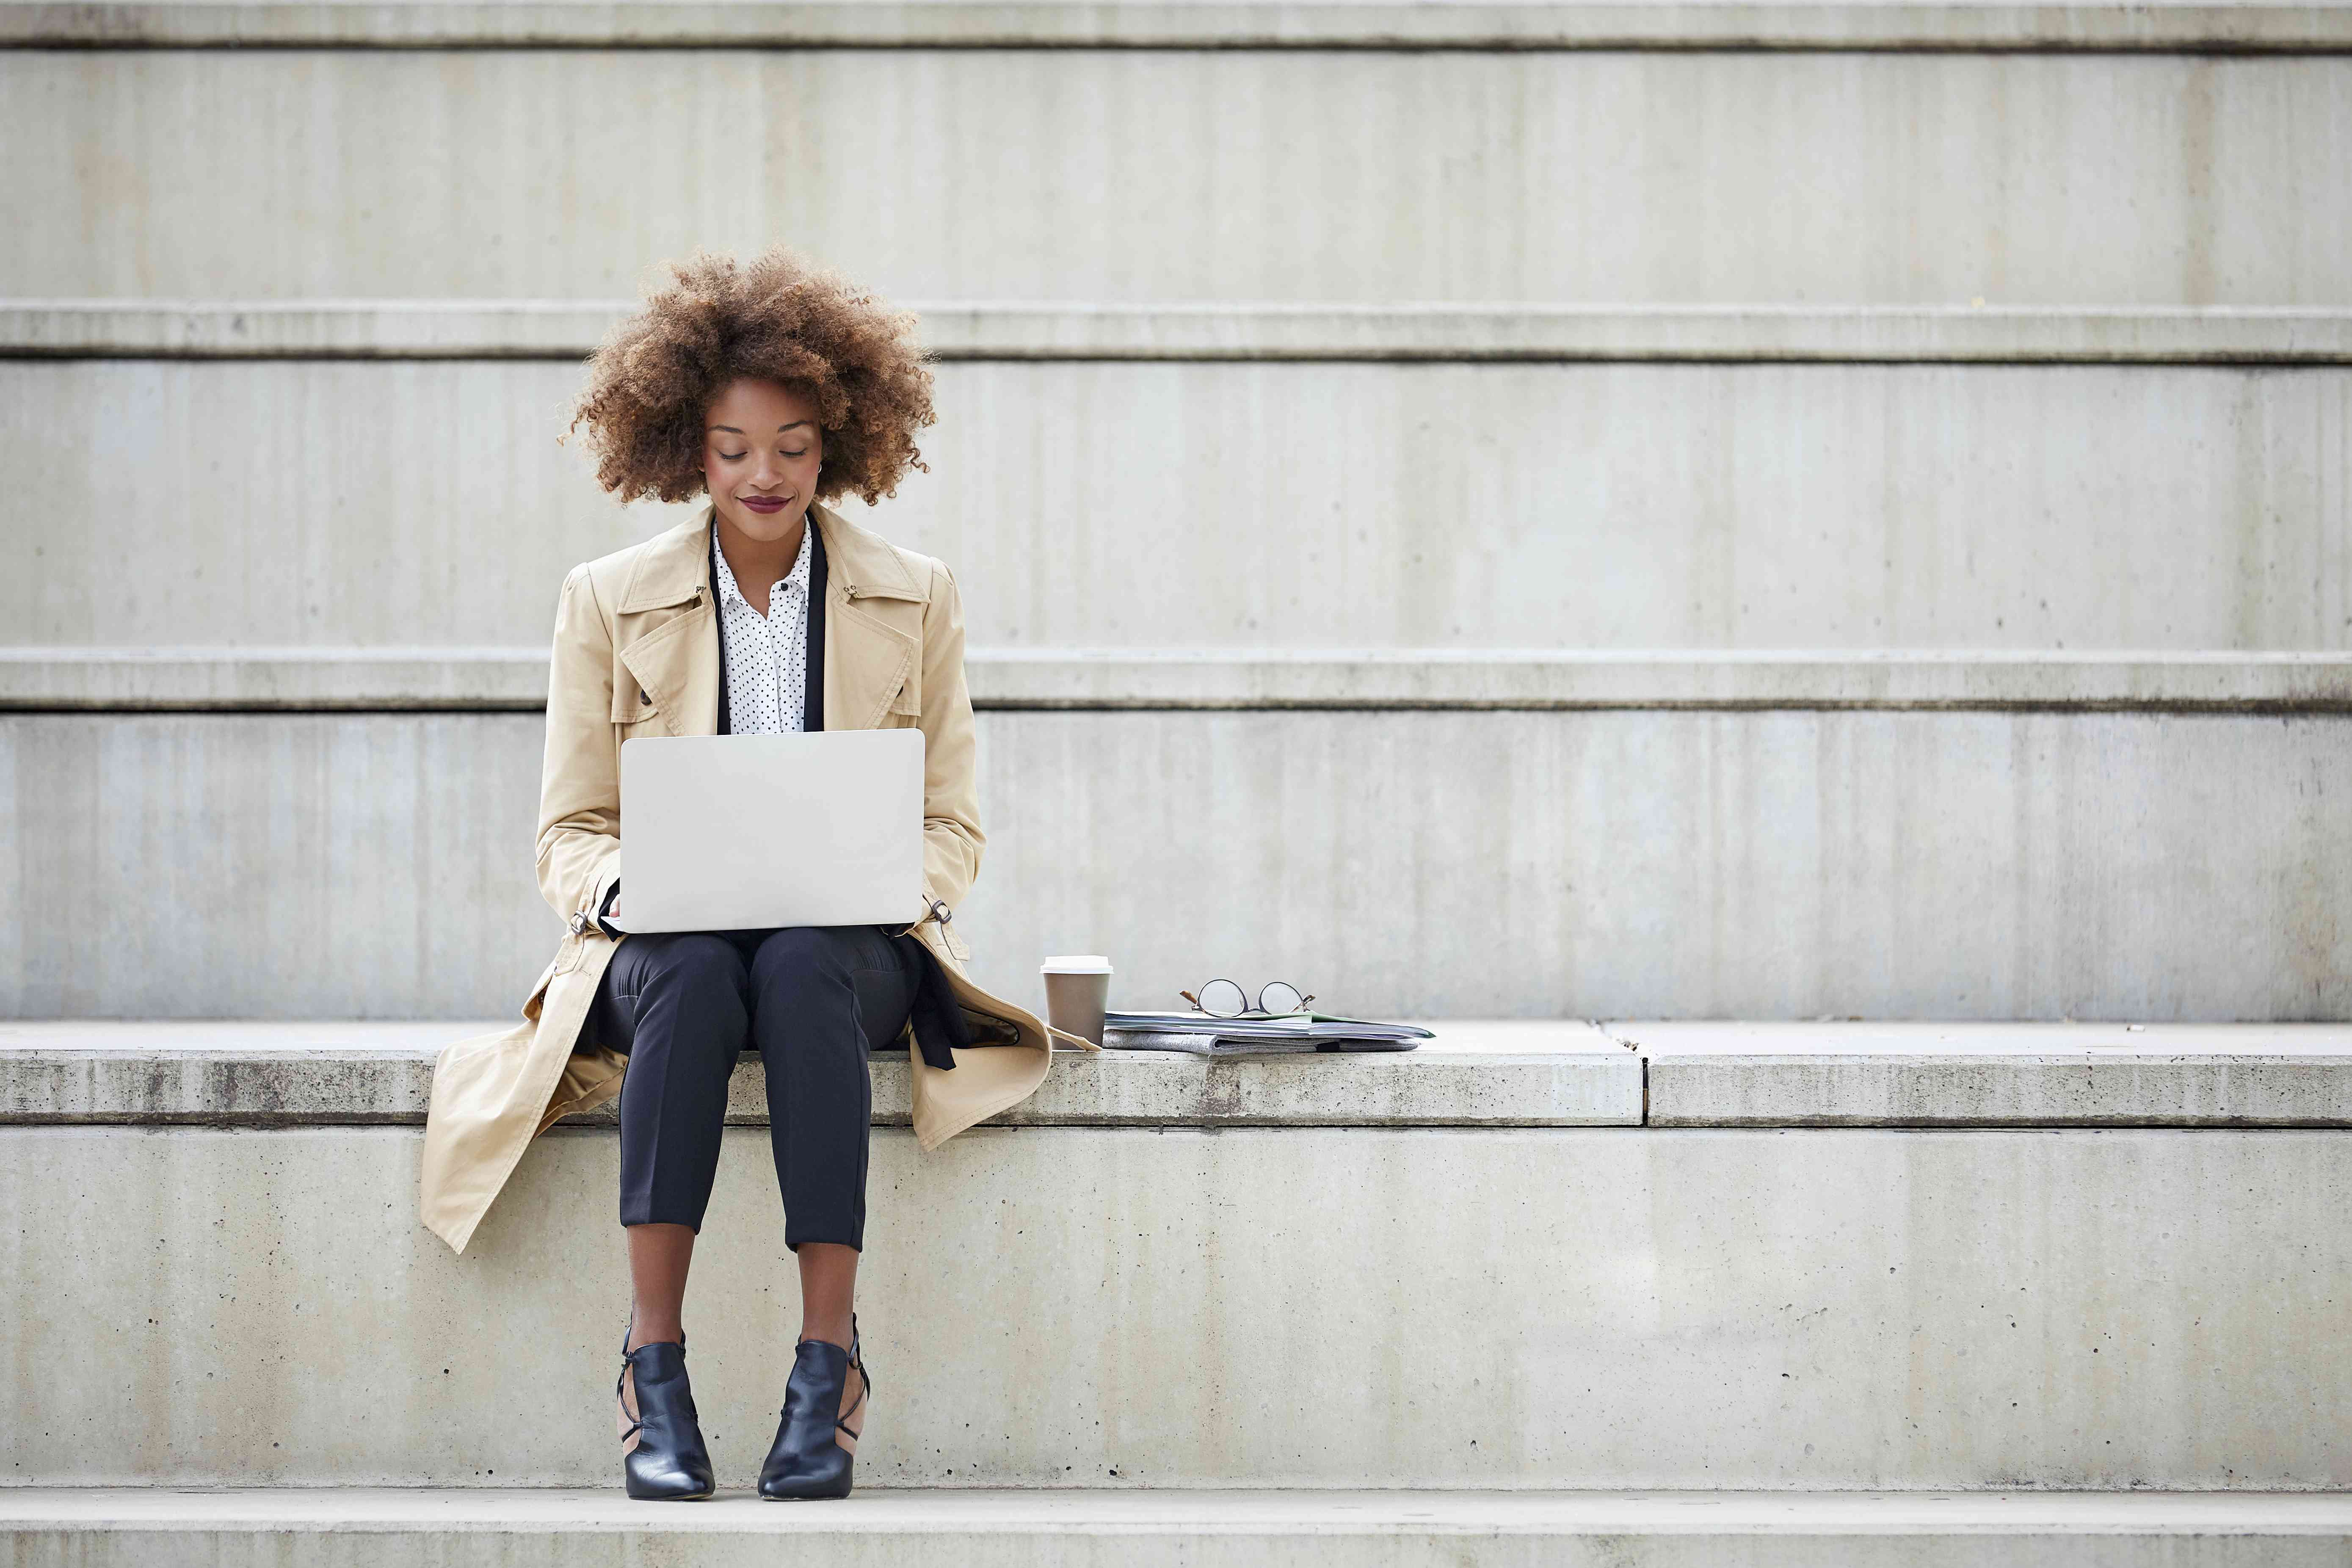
724 577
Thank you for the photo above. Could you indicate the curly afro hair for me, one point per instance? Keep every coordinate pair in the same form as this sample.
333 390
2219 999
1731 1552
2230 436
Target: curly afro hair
779 317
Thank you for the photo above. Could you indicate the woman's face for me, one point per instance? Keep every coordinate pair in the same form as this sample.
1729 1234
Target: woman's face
760 452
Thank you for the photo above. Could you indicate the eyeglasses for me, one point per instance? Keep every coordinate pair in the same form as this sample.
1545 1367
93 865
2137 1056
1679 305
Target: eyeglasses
1223 999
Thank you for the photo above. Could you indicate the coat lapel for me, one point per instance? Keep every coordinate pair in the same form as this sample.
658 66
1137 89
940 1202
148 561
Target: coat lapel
668 626
668 629
873 624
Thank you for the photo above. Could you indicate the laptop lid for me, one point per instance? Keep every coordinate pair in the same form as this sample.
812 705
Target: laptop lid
745 832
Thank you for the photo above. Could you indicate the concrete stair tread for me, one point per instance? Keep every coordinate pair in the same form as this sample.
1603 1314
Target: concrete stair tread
353 1037
358 678
1905 1074
1771 1039
554 1511
1476 1073
1763 1039
1458 1036
1508 1072
1234 24
1517 331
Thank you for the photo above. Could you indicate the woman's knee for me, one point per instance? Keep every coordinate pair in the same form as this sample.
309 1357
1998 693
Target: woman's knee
695 957
697 977
685 995
801 955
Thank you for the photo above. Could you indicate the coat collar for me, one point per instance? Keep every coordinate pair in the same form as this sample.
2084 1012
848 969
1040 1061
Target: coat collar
673 567
869 655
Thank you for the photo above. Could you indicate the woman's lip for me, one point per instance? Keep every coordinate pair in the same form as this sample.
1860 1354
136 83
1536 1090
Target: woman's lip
764 503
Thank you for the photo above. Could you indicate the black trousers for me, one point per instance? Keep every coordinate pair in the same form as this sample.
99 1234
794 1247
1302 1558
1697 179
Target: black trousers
813 1001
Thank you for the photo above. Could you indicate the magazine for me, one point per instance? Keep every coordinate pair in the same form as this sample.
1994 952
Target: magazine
1198 1034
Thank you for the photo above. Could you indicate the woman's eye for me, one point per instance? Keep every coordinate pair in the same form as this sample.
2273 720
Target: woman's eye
732 456
801 453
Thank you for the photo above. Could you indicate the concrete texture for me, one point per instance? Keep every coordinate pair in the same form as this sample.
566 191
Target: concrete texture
1279 1307
1478 1073
1929 1075
495 679
1356 506
359 1528
1765 865
1233 24
570 329
1626 177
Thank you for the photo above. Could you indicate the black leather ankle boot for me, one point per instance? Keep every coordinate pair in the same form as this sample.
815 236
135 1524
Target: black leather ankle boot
669 1463
806 1461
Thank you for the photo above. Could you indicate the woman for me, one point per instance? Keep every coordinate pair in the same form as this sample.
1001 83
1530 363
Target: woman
771 387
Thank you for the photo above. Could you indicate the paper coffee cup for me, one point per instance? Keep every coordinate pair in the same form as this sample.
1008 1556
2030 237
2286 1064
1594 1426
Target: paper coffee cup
1078 990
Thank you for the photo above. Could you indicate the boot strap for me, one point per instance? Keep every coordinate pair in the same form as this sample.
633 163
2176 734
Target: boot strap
628 1361
864 1385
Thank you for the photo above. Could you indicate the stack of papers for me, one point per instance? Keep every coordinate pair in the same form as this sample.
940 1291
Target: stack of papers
1199 1035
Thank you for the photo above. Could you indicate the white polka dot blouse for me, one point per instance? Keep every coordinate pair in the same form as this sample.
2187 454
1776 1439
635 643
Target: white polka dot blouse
767 656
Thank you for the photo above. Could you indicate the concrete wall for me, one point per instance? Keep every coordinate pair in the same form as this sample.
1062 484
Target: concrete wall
1292 1305
1726 177
1548 864
1760 857
1296 505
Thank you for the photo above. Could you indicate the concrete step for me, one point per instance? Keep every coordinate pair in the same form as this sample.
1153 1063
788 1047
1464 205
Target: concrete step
1288 25
131 1528
1683 170
1373 1287
260 1073
1663 861
323 680
1209 333
2014 1075
1482 1073
1726 505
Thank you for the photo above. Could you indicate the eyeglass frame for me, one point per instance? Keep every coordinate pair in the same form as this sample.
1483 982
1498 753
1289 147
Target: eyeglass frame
1250 1008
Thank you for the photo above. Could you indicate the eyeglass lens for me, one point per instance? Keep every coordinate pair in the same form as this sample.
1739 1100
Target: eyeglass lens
1280 997
1223 999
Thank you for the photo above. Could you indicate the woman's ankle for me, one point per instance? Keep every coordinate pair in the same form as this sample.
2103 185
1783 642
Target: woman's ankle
648 1330
829 1329
659 1256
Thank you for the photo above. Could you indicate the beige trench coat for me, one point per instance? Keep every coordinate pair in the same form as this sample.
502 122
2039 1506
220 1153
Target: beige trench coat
636 653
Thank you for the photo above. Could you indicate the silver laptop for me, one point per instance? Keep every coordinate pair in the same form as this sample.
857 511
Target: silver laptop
736 832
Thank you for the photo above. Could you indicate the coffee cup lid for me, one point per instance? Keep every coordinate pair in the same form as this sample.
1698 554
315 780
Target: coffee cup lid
1076 963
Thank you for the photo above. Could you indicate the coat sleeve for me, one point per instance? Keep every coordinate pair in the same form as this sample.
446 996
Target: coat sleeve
952 839
580 783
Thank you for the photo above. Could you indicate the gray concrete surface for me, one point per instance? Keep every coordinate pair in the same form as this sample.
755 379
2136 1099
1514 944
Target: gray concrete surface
1625 177
360 1527
514 679
570 329
1232 24
1357 506
1928 1075
1765 865
1292 1305
1476 1073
